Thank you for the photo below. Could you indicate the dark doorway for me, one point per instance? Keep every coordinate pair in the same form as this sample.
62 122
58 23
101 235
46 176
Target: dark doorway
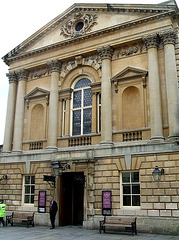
71 199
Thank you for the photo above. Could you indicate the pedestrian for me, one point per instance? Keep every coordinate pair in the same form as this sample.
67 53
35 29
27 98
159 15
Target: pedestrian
2 211
53 211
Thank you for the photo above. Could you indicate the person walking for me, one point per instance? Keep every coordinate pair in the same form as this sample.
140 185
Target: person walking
53 211
2 211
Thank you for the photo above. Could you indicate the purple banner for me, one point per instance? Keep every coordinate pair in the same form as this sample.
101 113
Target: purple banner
42 201
106 199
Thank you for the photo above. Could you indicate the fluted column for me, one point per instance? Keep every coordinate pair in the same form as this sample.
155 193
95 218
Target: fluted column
9 125
106 101
151 43
19 113
169 38
55 68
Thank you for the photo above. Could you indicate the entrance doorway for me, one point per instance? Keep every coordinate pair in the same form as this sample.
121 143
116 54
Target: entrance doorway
71 199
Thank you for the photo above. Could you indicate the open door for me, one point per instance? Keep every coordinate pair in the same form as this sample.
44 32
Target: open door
71 199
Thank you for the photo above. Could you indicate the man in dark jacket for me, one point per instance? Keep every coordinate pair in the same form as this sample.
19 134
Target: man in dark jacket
53 211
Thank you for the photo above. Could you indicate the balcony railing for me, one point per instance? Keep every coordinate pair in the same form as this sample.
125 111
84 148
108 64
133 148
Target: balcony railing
132 136
79 141
36 145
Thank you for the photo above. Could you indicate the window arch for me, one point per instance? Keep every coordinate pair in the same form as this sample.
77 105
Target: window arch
37 122
131 108
81 107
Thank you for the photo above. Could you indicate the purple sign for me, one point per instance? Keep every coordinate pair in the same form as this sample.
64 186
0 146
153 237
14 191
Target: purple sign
106 202
42 201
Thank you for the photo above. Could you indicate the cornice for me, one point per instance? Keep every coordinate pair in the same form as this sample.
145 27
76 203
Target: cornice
8 58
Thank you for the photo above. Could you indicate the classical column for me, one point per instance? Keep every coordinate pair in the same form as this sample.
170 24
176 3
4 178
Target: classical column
9 126
19 113
55 68
169 38
151 43
106 101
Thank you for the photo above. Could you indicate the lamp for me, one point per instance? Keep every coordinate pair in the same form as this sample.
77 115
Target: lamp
58 168
157 173
4 177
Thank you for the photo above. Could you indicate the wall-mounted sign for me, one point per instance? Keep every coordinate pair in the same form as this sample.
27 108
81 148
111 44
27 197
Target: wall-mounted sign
42 202
106 203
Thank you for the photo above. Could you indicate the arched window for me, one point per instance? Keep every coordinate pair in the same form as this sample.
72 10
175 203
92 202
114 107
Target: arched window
81 107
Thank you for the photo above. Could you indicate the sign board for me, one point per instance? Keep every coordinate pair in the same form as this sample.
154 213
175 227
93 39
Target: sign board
42 202
106 203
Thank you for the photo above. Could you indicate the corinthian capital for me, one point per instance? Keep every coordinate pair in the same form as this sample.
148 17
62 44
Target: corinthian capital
12 77
168 37
22 74
105 52
151 41
55 65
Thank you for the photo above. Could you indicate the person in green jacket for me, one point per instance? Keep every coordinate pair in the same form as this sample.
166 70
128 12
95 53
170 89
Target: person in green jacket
2 211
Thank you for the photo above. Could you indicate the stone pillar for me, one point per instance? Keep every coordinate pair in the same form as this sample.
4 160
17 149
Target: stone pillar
169 39
55 68
151 43
9 126
106 101
67 120
19 113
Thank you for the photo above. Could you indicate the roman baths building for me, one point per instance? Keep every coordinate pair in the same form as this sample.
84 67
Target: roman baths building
93 117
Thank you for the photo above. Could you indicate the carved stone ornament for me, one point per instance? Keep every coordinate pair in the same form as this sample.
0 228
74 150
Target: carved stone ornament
38 73
168 37
22 74
105 52
151 41
79 25
12 77
55 65
127 50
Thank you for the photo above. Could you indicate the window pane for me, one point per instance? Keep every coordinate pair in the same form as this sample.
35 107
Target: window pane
135 177
77 122
135 189
135 200
27 179
32 179
100 119
127 200
26 200
32 189
87 121
125 177
87 97
32 198
99 98
27 189
77 99
82 83
126 189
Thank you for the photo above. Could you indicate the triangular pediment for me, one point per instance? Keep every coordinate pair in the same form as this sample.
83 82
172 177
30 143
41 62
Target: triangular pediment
37 93
88 20
128 73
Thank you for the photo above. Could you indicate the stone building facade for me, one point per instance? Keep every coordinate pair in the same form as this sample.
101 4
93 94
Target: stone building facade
96 91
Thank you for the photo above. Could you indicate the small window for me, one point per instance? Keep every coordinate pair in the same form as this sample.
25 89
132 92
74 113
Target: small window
29 189
79 26
99 113
130 189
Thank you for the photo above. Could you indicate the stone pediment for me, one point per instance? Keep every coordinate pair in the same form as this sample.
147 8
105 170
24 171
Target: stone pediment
128 73
37 93
88 20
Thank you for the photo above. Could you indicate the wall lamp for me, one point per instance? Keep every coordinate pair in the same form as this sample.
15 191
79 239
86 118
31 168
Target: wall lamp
58 168
4 177
157 173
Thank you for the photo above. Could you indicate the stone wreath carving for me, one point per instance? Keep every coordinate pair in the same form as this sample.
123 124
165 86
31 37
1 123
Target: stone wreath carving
78 26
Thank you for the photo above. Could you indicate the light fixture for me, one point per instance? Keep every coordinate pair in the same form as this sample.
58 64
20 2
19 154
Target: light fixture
157 173
58 168
4 177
